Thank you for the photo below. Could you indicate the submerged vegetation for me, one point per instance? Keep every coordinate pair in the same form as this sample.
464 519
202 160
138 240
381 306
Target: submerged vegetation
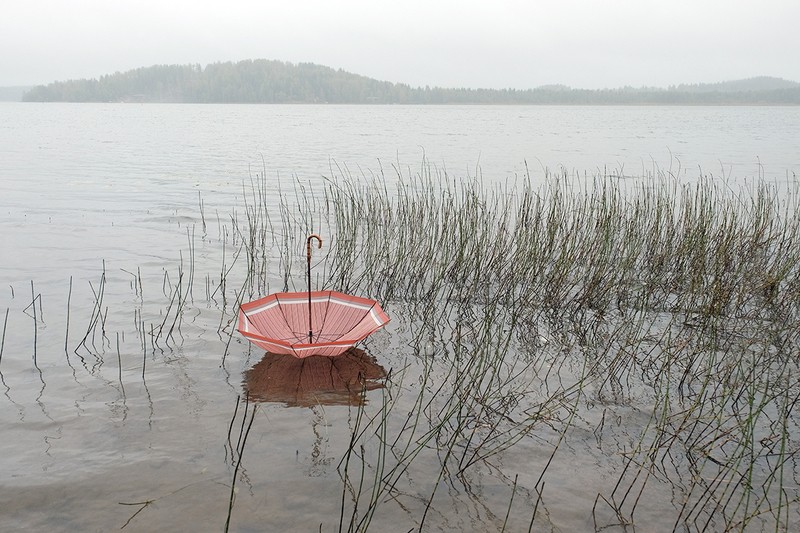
578 353
645 331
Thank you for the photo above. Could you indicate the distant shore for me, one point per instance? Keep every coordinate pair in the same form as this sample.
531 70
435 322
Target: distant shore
276 82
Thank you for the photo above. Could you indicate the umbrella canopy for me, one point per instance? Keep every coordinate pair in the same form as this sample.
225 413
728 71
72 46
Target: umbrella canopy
308 323
315 380
279 323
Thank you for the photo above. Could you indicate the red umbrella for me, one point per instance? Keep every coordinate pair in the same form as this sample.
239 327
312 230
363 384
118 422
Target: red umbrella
310 323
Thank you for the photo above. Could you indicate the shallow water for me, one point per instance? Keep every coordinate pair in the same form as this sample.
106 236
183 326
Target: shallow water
103 211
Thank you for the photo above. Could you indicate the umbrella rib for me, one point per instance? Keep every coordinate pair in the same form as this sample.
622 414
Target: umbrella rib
283 316
339 335
371 307
325 315
261 334
341 321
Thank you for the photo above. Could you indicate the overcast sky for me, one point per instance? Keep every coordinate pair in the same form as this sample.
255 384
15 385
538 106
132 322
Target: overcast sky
450 43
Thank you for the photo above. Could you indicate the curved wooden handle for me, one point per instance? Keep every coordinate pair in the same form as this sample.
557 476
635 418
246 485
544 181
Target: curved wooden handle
308 244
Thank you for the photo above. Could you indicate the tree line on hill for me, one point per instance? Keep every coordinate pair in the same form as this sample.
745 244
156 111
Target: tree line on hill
266 81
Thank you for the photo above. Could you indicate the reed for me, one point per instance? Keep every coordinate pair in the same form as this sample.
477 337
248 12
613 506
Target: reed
652 324
66 329
240 445
96 319
119 367
542 307
3 338
35 326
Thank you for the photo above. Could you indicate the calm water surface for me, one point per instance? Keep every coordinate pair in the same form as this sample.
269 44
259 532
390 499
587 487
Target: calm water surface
110 200
71 173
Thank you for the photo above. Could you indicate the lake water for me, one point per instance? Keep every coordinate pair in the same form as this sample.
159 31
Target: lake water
102 210
73 170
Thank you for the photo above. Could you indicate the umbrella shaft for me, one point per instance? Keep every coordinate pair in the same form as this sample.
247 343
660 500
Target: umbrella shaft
310 328
308 257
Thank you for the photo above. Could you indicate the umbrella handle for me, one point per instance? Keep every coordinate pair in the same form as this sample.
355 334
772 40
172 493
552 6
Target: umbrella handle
308 256
308 244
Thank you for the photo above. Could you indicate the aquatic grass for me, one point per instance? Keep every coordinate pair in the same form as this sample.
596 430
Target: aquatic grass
651 290
244 432
711 433
649 326
3 338
96 318
2 348
536 314
119 368
462 418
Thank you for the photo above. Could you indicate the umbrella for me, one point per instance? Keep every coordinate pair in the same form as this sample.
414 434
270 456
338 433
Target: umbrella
314 380
309 323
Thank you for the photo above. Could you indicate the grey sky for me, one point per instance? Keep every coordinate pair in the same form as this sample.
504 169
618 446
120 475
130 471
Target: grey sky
493 44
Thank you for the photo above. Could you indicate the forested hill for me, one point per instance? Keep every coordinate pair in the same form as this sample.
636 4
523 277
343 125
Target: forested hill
264 81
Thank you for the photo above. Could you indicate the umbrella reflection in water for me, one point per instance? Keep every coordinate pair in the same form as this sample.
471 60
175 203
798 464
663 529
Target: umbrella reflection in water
314 380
